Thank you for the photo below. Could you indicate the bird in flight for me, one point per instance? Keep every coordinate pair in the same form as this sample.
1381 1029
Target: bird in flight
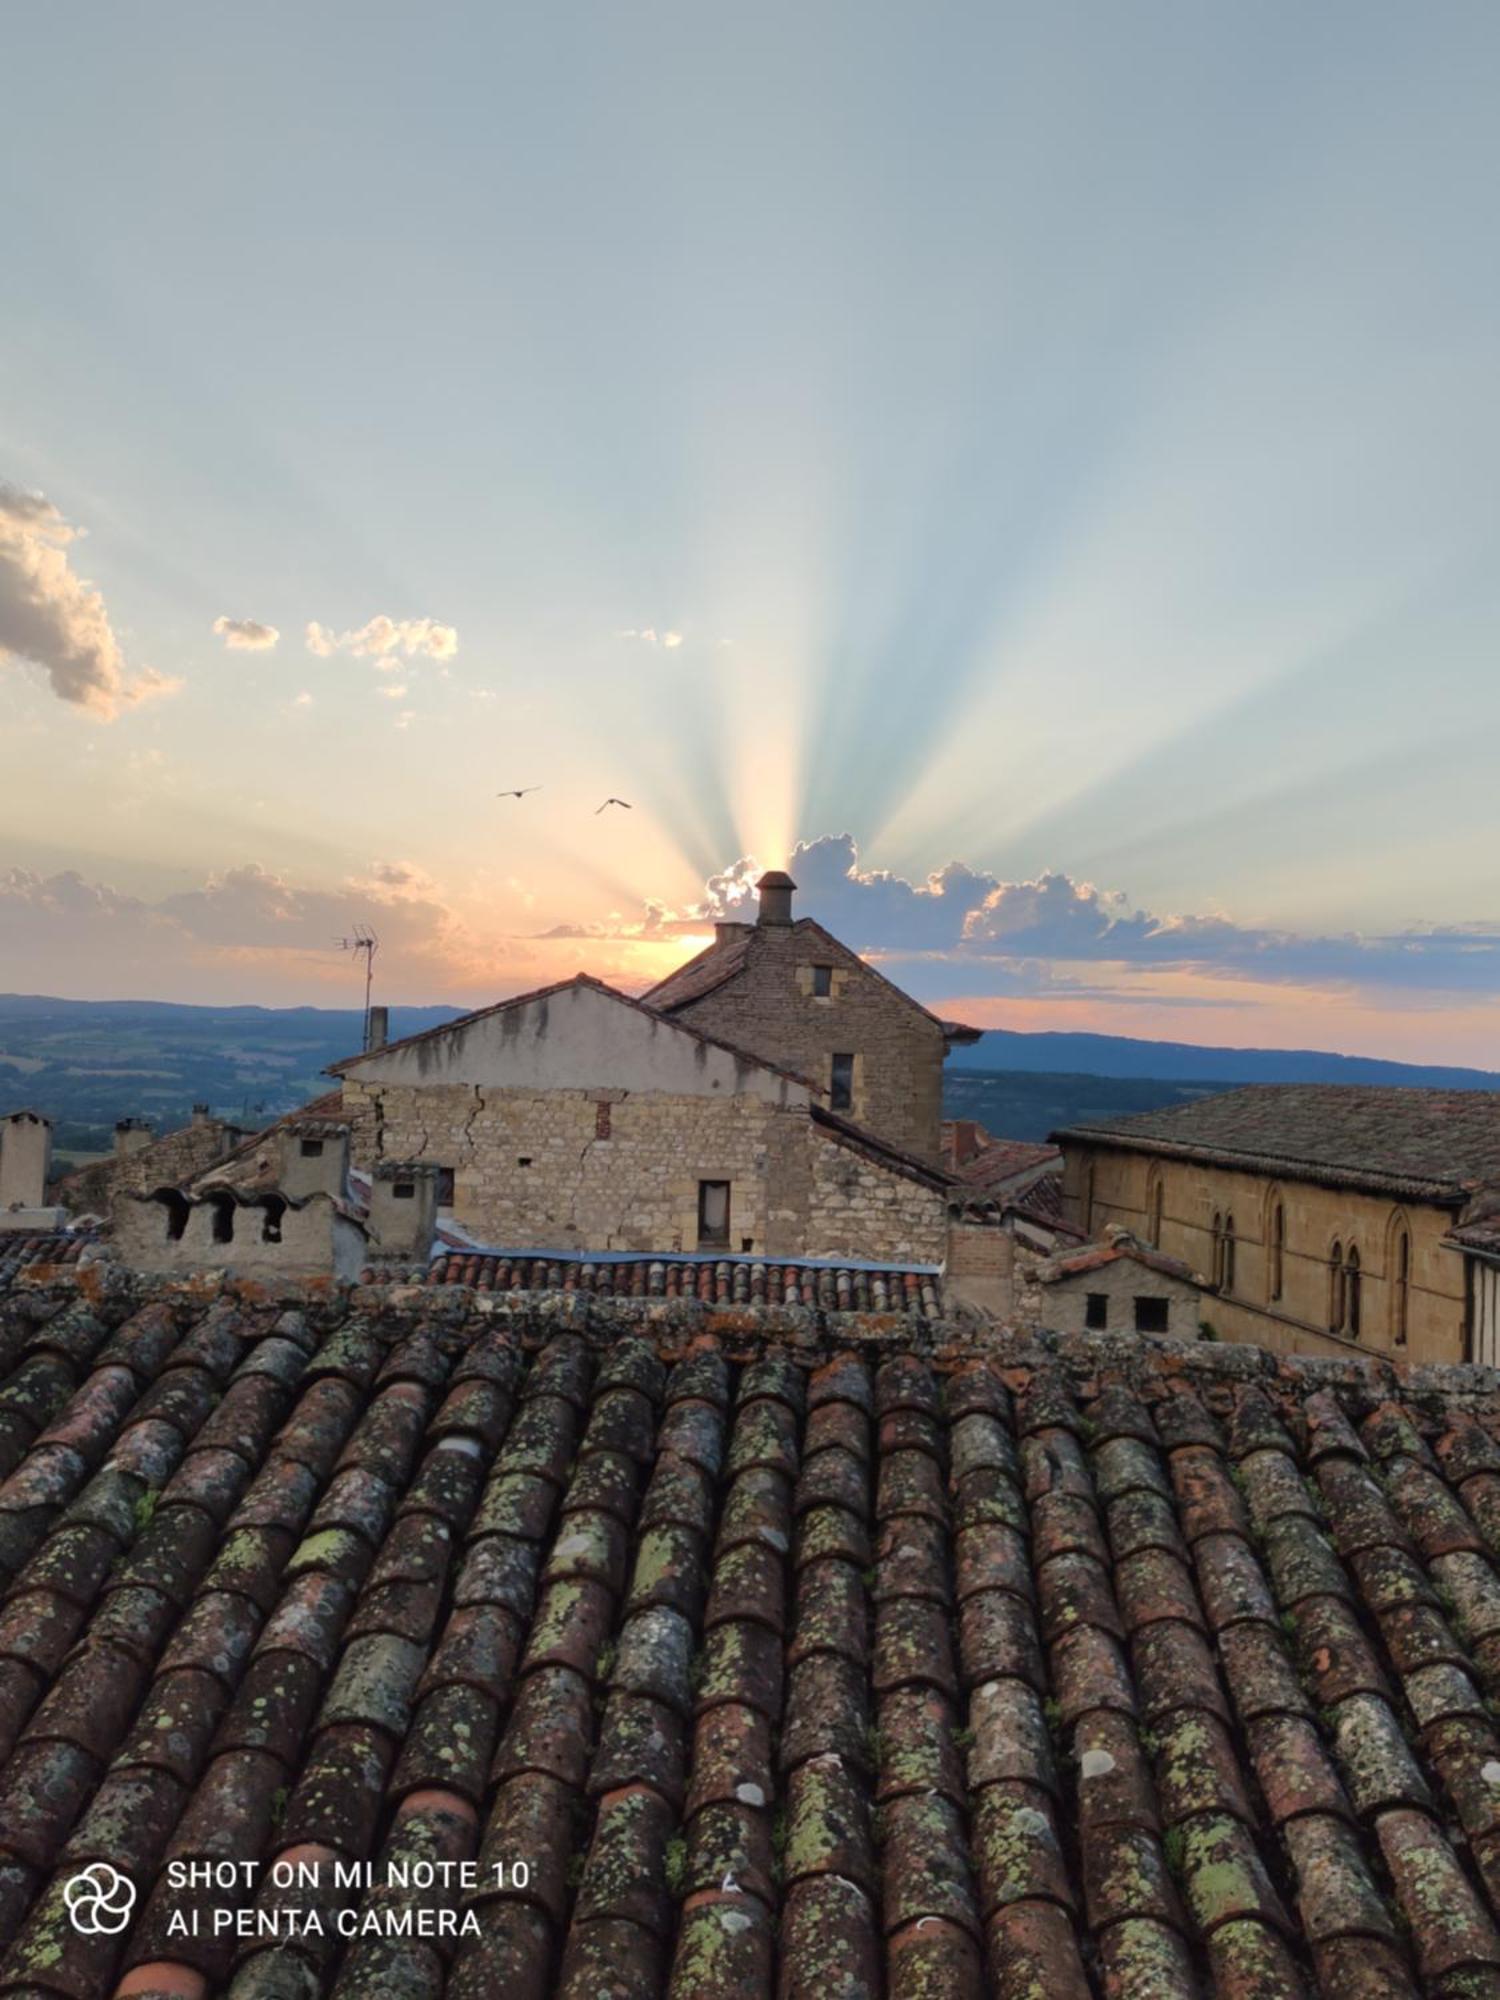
520 794
614 802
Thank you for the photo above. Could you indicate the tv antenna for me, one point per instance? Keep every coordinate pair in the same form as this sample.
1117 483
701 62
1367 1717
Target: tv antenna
362 939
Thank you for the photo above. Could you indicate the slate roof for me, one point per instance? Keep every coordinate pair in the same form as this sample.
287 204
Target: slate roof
1103 1667
1433 1145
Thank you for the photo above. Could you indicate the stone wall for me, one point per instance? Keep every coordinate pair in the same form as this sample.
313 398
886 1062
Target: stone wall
980 1267
771 1009
267 1239
1064 1302
612 1170
1315 1218
171 1161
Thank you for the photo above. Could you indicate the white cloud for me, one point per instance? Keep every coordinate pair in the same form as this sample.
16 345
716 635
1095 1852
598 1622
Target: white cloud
246 635
55 619
647 635
383 639
396 693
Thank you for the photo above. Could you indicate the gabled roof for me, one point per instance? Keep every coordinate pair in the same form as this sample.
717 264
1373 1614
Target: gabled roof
1096 1256
580 980
726 959
1425 1145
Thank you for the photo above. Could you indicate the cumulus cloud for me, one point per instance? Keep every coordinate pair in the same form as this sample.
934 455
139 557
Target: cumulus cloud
1053 933
246 635
385 639
55 619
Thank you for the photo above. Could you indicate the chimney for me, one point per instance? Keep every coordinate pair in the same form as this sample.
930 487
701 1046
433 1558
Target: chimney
403 1208
25 1159
776 891
314 1159
201 1116
726 933
379 1031
132 1135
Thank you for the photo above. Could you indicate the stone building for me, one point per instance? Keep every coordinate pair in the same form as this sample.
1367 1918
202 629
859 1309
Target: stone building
141 1161
788 991
1117 1286
576 1118
1324 1217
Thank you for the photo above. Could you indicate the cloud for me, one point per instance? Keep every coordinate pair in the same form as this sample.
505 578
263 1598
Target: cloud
383 639
246 635
240 932
647 635
976 919
57 620
968 930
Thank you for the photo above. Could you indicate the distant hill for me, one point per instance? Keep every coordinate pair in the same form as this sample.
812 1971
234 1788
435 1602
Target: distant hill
1185 1062
90 1062
1031 1104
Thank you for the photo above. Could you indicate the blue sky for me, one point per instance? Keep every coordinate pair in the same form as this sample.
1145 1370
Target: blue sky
1060 441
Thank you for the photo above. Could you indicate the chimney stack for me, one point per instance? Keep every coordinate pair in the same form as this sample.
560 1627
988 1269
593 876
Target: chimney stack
379 1031
201 1116
25 1159
403 1208
132 1135
776 892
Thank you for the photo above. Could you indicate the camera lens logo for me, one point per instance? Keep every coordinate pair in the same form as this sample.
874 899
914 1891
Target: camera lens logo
99 1898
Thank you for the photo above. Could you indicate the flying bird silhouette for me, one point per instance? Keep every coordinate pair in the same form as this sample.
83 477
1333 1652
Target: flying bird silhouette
614 802
520 794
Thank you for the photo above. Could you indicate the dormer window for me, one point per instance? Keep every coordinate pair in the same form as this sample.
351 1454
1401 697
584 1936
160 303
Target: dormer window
822 982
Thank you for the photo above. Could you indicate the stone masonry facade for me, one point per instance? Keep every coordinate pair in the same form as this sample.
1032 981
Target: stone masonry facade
612 1170
1284 1310
770 1007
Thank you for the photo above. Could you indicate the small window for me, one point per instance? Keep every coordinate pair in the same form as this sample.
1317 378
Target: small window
601 1121
1150 1315
747 1244
403 1191
713 1215
311 1149
445 1187
1096 1310
524 1160
822 976
841 1083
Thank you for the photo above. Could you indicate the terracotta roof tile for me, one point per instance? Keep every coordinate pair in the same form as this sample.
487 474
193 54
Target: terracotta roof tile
852 1663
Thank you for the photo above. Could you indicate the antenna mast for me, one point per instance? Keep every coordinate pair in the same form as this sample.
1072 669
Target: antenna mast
363 940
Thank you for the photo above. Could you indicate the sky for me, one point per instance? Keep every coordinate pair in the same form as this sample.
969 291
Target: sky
1032 470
